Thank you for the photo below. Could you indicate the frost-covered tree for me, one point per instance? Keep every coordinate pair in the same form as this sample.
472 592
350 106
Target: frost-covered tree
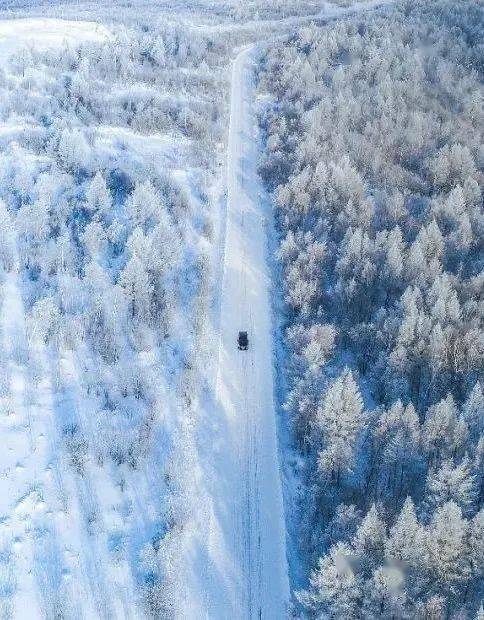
444 551
136 284
473 412
7 239
45 319
451 483
144 204
73 152
337 425
335 589
444 433
98 197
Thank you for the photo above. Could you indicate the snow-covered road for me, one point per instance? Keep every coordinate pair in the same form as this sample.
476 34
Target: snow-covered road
249 523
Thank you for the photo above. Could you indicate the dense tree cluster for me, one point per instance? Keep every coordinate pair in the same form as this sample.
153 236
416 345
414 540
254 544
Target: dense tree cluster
374 156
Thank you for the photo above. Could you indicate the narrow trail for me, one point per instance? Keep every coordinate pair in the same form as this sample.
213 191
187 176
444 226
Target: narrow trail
252 526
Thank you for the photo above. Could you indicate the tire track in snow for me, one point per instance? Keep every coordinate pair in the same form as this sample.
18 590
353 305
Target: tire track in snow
257 587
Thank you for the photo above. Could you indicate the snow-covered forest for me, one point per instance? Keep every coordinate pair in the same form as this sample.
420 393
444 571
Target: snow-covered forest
113 135
150 469
107 159
373 133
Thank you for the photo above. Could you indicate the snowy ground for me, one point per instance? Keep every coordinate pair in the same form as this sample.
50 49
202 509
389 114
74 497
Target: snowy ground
43 34
161 151
48 566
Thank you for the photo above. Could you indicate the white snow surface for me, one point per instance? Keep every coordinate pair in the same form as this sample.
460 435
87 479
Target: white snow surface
246 573
162 151
45 33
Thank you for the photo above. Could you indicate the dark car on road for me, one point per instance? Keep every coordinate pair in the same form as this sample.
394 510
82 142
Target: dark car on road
243 341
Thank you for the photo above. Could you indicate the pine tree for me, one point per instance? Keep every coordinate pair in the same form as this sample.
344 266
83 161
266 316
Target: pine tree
394 258
445 554
398 444
73 151
343 525
473 412
135 282
370 540
444 433
480 613
7 239
338 423
143 205
385 595
98 197
94 239
319 344
478 469
335 590
405 538
451 483
433 608
475 543
45 319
